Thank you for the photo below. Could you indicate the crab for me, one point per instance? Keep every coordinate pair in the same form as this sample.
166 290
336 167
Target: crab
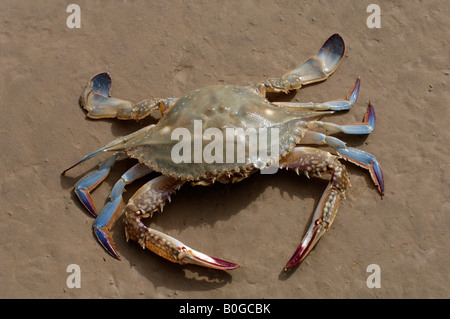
299 147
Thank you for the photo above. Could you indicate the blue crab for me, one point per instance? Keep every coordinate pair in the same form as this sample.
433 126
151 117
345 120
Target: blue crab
222 107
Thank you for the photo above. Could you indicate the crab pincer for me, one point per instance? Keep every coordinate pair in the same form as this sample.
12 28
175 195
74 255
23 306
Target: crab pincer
151 198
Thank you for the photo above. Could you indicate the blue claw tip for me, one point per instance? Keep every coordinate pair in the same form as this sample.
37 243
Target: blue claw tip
101 84
353 95
367 161
370 116
334 46
105 239
379 176
87 201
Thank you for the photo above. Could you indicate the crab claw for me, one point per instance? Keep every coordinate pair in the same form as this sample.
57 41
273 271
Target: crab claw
312 236
190 256
322 219
314 160
168 247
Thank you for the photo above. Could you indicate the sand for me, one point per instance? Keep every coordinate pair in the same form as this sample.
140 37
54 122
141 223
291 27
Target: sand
167 48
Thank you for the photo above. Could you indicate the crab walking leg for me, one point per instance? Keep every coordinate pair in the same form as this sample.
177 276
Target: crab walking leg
315 162
336 105
353 155
317 68
85 185
115 145
364 127
150 198
97 101
110 212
